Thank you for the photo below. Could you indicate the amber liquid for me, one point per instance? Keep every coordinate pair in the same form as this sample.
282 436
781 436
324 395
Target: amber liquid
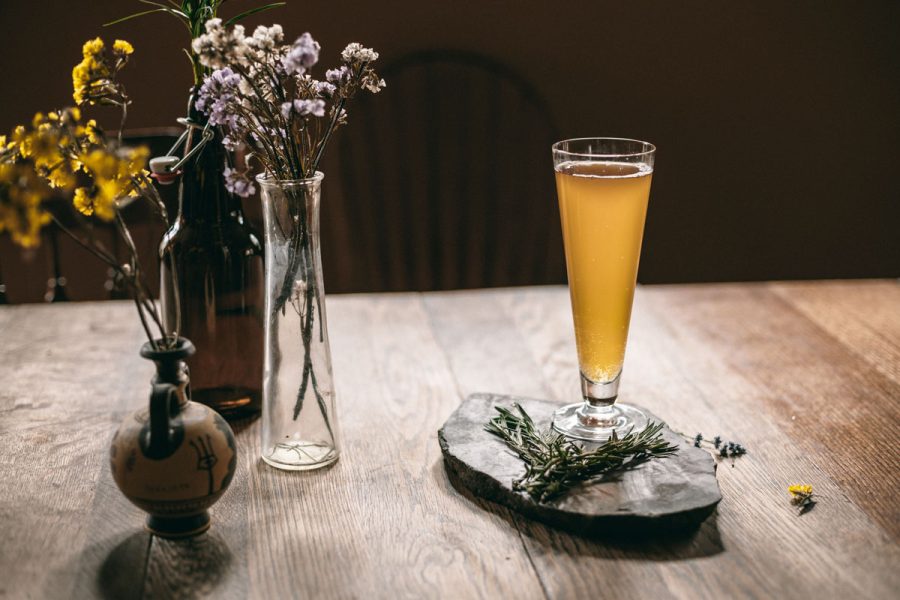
602 206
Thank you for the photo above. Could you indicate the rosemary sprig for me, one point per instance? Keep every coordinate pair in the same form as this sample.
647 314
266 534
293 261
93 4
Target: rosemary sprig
554 464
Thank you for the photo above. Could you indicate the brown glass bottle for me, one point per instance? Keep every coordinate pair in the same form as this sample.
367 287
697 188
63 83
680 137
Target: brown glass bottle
218 260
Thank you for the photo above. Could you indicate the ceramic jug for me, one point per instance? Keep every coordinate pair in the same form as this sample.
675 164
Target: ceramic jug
175 458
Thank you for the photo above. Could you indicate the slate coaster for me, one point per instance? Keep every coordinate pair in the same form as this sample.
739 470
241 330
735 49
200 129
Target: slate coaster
673 493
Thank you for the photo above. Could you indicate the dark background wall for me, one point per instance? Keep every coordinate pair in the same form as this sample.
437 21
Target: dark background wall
777 123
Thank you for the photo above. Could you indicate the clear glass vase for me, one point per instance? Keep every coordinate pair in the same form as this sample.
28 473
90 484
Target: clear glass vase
299 430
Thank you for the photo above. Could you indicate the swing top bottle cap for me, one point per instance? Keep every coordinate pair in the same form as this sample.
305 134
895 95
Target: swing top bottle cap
162 165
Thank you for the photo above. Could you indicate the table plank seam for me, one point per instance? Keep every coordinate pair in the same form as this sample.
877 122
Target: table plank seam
796 307
537 571
147 556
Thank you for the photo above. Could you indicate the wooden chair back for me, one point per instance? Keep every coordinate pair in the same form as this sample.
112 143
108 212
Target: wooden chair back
446 182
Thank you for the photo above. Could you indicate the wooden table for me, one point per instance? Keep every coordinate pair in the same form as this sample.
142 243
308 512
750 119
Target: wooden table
806 375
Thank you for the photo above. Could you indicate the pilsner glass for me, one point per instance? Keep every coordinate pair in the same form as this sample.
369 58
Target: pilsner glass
603 186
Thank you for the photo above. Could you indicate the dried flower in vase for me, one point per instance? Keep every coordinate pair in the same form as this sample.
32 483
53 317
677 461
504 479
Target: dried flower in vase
263 94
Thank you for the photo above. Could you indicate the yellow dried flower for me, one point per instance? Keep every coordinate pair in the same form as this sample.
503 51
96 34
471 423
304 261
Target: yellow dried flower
93 132
61 177
802 497
122 47
88 78
82 201
21 197
20 140
114 177
135 160
41 143
71 115
93 79
92 48
89 135
800 490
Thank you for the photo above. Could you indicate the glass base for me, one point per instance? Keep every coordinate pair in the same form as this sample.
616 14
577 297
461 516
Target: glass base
300 456
584 421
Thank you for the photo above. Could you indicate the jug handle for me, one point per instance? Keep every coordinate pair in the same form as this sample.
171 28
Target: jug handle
160 406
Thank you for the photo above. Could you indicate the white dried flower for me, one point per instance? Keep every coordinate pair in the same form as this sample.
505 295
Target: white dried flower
373 84
219 47
266 38
355 52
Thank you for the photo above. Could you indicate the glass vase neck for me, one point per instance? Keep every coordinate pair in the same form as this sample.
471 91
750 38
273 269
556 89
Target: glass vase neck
267 181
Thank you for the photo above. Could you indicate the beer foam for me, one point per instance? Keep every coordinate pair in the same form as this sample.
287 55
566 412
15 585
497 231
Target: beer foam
603 169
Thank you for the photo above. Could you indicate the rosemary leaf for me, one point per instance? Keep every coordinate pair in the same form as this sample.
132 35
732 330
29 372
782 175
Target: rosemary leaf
554 464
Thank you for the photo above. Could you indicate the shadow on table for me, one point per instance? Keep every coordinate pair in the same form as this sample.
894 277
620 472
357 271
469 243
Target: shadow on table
166 568
667 544
239 426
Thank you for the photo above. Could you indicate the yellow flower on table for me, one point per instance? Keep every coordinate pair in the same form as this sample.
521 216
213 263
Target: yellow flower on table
802 497
800 490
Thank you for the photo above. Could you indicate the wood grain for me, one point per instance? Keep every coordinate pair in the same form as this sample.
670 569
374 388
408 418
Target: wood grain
804 374
384 521
60 403
692 387
862 315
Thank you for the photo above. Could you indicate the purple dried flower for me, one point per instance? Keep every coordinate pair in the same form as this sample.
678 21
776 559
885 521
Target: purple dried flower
302 55
219 90
232 144
237 183
338 76
325 89
315 107
303 108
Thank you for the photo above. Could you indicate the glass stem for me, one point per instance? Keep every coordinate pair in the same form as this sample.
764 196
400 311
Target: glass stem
600 393
599 402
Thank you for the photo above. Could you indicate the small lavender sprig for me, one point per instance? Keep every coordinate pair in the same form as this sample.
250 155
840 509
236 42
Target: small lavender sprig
722 449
